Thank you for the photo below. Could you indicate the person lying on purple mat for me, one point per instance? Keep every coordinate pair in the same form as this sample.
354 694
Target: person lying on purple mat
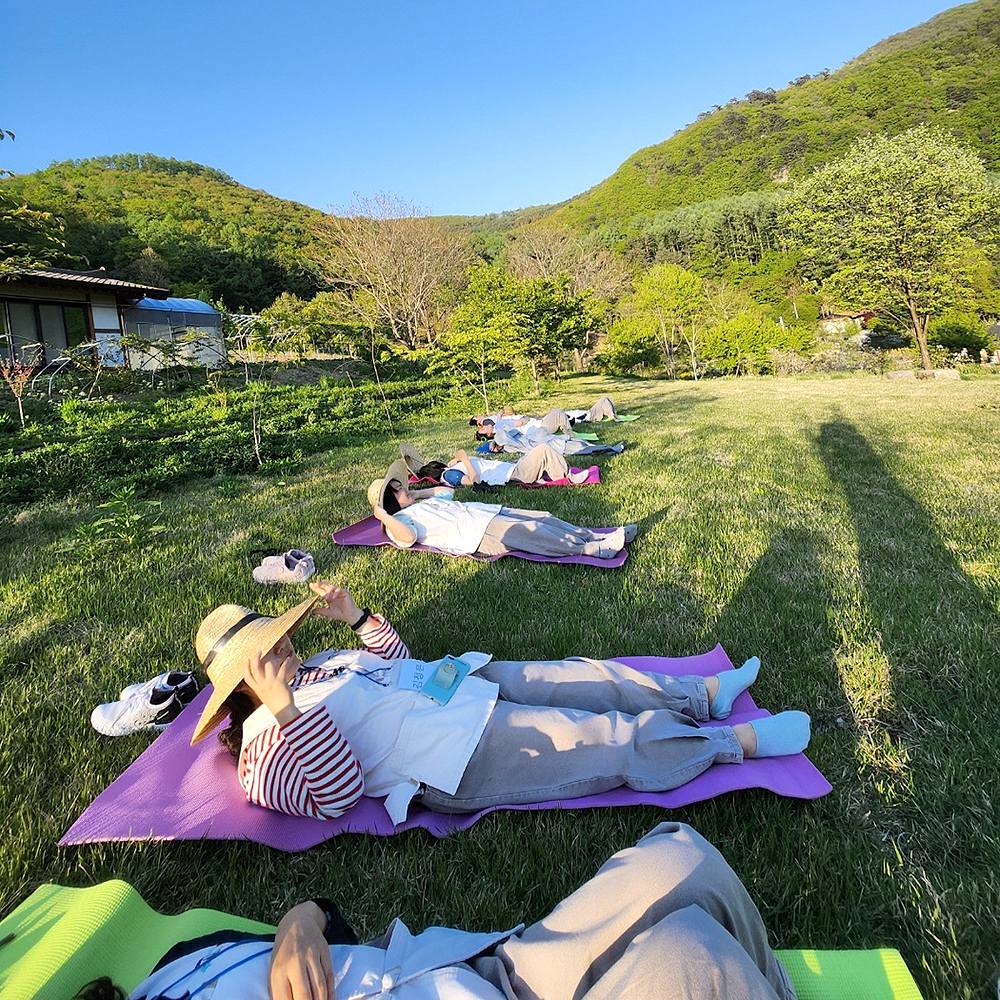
666 919
458 735
434 517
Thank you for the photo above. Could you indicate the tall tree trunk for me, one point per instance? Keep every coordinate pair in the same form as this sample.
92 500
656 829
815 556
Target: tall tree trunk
534 375
920 330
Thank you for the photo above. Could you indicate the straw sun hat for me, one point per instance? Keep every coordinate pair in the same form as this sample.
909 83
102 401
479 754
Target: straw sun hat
224 643
411 456
397 471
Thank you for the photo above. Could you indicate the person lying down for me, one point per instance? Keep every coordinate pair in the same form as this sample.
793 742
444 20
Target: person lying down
310 738
541 464
666 919
435 518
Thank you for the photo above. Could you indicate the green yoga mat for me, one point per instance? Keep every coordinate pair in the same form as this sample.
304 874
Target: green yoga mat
67 937
64 938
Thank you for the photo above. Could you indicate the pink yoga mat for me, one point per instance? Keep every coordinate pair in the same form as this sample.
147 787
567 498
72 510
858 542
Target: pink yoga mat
369 532
593 479
174 791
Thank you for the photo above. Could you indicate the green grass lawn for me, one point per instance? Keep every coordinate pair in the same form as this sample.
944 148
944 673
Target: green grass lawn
845 530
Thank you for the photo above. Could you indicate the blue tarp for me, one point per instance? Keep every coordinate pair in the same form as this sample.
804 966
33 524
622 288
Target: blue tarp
174 305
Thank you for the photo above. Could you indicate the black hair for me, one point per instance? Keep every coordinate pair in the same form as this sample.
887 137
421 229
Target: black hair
239 705
390 503
101 989
473 422
480 436
432 470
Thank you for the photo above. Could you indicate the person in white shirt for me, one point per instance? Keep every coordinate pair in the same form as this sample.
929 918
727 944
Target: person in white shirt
665 919
433 517
540 465
311 737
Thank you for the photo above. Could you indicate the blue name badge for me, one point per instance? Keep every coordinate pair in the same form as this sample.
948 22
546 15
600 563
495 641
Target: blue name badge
444 681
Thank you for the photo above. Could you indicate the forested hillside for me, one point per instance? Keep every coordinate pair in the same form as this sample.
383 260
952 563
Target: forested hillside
175 223
945 73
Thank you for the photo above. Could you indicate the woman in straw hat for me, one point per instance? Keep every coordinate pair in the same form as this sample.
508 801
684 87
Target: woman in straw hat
311 738
433 517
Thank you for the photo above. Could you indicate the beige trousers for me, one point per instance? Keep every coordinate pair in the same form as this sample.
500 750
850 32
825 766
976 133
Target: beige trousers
667 919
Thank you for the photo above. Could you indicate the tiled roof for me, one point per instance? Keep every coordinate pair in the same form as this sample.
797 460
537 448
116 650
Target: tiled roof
57 277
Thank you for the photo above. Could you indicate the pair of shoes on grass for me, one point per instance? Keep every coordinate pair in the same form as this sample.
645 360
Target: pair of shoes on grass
293 566
151 704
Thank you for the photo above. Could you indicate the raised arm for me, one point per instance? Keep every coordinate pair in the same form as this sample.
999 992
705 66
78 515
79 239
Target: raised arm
402 534
470 470
374 631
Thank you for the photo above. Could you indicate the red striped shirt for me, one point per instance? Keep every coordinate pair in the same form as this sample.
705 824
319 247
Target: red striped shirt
306 768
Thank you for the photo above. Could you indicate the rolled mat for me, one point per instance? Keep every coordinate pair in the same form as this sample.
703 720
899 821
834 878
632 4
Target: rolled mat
174 791
63 938
369 532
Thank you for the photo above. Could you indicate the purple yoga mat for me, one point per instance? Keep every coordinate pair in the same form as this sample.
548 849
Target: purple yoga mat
369 532
174 791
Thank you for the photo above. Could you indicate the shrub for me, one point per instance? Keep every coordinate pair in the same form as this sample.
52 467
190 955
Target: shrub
955 330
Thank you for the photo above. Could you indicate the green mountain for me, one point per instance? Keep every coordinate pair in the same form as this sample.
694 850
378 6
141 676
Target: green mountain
945 72
175 223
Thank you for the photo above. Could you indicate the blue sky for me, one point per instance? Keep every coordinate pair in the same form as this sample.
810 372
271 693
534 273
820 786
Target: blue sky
460 108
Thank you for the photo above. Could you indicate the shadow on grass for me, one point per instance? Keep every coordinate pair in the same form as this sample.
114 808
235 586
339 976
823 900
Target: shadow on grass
927 755
781 613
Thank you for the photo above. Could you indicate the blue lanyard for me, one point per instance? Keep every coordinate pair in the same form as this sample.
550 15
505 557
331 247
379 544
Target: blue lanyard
209 958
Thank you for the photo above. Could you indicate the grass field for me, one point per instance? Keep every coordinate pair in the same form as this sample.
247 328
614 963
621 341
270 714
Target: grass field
845 530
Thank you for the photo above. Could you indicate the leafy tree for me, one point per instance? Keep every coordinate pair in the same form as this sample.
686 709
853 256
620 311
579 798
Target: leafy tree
899 223
485 329
28 237
554 320
321 321
670 301
743 344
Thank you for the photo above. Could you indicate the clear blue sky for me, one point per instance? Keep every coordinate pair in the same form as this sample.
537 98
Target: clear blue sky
460 107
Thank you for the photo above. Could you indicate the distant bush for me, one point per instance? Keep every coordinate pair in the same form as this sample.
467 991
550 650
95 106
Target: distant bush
955 330
151 442
744 343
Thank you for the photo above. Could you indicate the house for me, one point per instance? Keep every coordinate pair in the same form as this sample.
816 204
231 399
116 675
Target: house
47 312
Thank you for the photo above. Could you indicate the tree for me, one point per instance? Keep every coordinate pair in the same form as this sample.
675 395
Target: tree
670 300
28 237
485 328
897 225
395 267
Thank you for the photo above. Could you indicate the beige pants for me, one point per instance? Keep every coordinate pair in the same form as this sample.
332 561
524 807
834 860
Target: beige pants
667 918
557 420
540 463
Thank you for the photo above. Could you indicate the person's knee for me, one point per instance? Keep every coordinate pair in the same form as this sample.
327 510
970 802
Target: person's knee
675 857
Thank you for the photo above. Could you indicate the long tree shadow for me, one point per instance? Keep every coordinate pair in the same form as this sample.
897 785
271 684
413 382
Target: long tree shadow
926 749
781 613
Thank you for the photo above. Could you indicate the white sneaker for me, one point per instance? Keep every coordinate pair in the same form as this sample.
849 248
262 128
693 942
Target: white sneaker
155 710
294 566
578 476
180 680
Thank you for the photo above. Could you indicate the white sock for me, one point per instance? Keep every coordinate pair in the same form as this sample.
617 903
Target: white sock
732 683
782 734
